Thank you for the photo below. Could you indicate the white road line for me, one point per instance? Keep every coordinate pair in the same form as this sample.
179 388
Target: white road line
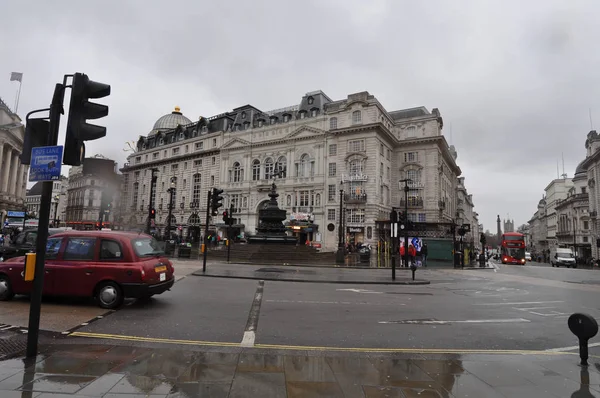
359 291
326 302
521 303
248 339
531 308
433 322
571 348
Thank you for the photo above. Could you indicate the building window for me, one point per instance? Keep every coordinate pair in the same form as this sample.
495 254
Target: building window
286 118
255 170
185 165
146 158
583 190
411 132
155 156
175 151
196 188
313 113
269 168
136 188
381 149
356 167
332 149
304 168
356 117
138 159
333 123
586 225
184 183
281 166
187 148
212 181
304 198
214 142
330 214
310 100
260 123
199 145
198 163
332 169
214 160
243 115
174 167
273 120
585 239
356 146
355 215
164 169
165 154
422 217
414 176
331 193
388 155
412 217
302 114
237 172
246 125
411 156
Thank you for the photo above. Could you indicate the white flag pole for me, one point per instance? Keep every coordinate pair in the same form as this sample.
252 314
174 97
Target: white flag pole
19 94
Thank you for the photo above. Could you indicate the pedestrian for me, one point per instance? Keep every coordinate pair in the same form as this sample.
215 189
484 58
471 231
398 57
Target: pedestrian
402 252
424 254
412 253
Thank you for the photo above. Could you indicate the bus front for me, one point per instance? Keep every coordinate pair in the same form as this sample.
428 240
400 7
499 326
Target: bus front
513 248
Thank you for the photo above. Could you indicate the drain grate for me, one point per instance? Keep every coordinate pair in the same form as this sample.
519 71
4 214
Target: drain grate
12 345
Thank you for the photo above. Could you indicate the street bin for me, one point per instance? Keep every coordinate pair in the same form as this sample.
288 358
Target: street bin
482 260
184 251
365 257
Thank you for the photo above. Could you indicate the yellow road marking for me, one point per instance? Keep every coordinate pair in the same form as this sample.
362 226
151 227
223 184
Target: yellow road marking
323 348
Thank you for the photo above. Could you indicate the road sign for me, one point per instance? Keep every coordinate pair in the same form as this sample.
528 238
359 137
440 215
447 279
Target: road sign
18 214
46 162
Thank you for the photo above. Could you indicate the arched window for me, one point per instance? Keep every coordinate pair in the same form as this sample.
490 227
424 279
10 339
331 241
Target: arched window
269 168
255 170
194 219
237 172
304 167
281 166
356 117
333 123
196 187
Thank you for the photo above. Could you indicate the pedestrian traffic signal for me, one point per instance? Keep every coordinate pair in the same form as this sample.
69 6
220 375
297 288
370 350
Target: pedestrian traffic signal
216 200
226 217
36 135
401 217
152 214
80 110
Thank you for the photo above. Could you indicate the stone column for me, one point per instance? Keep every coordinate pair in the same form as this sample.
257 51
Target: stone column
5 170
24 174
19 182
1 168
14 168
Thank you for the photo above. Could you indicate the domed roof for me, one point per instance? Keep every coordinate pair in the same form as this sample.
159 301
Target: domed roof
170 121
580 169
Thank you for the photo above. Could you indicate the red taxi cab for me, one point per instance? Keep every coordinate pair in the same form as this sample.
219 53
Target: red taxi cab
107 265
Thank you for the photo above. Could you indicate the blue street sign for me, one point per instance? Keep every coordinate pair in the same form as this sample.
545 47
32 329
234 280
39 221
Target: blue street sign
17 214
45 163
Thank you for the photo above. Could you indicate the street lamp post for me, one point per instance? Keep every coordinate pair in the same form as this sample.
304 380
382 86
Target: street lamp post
56 199
151 201
171 191
339 258
575 238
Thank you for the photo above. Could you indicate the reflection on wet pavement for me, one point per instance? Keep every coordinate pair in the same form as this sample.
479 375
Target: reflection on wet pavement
119 371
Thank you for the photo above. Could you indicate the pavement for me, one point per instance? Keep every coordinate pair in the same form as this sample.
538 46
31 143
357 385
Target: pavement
341 275
112 371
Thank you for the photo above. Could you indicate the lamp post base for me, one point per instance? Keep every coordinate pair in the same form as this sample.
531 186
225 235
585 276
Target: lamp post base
339 256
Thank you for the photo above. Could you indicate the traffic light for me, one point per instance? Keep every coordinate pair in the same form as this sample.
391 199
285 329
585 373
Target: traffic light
216 200
80 110
105 201
152 214
482 239
226 217
394 216
36 134
401 217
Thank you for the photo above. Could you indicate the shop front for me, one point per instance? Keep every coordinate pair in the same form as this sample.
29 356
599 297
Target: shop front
355 235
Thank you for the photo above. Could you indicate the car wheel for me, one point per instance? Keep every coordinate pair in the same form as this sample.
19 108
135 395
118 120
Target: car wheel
109 295
6 292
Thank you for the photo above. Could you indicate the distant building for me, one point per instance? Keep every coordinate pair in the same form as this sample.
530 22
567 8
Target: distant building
33 200
86 185
509 225
13 175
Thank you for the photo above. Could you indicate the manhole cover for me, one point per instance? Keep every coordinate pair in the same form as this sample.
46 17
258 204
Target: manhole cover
12 345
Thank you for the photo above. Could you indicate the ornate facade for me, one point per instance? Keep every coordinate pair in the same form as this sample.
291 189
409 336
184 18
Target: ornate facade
319 147
13 175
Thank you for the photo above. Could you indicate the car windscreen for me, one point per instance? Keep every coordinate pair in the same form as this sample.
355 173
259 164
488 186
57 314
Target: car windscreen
564 255
146 246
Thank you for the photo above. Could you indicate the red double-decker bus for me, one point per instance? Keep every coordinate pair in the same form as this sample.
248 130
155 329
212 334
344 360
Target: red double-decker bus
512 248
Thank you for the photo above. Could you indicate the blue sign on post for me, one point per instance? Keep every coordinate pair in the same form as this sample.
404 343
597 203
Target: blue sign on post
45 163
16 214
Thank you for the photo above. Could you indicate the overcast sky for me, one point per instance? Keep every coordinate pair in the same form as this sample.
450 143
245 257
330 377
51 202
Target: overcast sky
514 80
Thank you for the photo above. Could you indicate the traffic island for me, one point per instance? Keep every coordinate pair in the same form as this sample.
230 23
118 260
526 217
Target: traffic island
309 274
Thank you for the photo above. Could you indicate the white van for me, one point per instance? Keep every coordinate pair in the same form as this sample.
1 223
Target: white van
562 256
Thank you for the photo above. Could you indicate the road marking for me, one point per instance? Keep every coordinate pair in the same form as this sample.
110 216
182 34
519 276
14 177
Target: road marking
327 302
571 348
436 322
359 291
252 324
520 303
325 348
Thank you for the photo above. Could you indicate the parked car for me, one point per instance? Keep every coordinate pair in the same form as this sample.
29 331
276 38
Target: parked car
24 243
107 265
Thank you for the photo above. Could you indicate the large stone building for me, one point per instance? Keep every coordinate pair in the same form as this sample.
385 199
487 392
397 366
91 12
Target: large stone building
85 189
592 166
318 147
13 175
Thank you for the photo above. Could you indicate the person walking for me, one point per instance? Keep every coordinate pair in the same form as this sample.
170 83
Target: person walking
424 254
412 254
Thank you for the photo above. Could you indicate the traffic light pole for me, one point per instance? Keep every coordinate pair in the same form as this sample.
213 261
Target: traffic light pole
339 256
151 203
406 189
205 244
229 225
56 109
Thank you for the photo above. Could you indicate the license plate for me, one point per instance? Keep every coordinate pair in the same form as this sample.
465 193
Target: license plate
163 277
162 268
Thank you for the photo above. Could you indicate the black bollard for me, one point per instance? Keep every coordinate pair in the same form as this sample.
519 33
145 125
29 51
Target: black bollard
584 327
413 268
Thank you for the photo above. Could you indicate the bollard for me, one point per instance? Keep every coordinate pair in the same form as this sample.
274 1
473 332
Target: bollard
482 260
413 268
584 327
